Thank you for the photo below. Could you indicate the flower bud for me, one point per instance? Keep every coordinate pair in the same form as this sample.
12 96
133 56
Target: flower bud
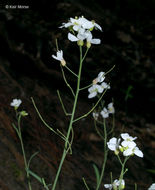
63 62
88 44
80 42
23 113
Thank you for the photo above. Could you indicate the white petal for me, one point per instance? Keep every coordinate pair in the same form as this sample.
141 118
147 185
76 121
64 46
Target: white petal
92 95
138 152
108 186
125 136
60 55
55 57
72 38
98 26
76 27
95 41
128 152
129 144
99 88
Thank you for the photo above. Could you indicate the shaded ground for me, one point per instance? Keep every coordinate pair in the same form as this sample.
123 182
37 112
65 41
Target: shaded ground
27 39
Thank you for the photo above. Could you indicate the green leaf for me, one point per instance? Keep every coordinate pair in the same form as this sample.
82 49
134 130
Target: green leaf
96 173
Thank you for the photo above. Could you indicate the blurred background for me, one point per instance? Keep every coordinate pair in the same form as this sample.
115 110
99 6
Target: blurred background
27 41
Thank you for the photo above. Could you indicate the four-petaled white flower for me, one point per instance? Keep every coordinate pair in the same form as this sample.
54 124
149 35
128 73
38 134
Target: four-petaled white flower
105 85
115 185
127 137
113 144
95 115
94 89
15 103
59 57
133 150
152 187
105 113
111 108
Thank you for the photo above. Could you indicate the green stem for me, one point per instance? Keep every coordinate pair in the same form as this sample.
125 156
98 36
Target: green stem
23 151
65 151
122 171
105 157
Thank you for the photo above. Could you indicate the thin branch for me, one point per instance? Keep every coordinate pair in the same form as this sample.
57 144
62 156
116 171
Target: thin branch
110 70
84 181
63 74
71 71
62 104
85 115
86 87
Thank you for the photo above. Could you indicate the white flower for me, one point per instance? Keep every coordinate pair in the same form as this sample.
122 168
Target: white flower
108 186
84 36
152 187
131 151
100 78
16 103
95 115
113 144
105 85
111 108
128 144
118 183
104 113
59 57
115 185
127 137
94 89
81 23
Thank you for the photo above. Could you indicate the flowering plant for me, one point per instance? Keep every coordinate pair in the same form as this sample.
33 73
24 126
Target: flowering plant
80 31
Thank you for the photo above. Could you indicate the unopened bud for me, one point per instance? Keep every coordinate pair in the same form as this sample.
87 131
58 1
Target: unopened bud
63 62
88 44
95 81
80 42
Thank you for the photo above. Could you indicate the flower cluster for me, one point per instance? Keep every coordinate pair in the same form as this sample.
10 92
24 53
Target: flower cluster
115 185
96 87
105 111
81 30
128 147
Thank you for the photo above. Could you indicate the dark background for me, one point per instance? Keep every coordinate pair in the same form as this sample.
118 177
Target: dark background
27 41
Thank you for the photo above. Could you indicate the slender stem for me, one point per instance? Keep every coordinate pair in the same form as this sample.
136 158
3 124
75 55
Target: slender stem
64 77
23 151
105 156
83 88
85 183
62 104
71 71
65 151
109 70
97 130
85 115
122 172
44 122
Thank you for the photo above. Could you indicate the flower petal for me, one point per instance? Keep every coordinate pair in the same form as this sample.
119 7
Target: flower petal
72 38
